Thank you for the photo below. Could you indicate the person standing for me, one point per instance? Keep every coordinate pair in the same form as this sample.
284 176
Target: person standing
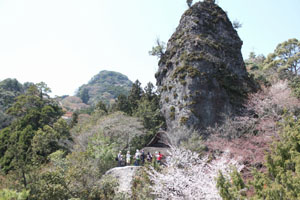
122 160
137 158
149 157
119 158
128 158
143 157
159 158
156 156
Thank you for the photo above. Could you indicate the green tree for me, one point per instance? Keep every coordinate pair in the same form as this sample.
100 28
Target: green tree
149 91
224 187
282 178
74 120
35 108
149 112
49 139
101 106
123 104
286 57
135 95
43 89
159 49
84 95
27 85
235 188
148 109
33 111
295 86
11 85
9 90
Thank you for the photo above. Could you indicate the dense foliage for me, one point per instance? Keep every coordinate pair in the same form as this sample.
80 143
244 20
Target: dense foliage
282 64
81 173
36 114
6 194
143 104
9 90
36 132
286 57
281 180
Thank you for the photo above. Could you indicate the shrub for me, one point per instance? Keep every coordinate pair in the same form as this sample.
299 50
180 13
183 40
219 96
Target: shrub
108 188
233 188
6 194
295 86
194 143
116 128
141 186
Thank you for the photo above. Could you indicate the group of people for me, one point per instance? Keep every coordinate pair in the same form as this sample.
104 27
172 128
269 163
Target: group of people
139 158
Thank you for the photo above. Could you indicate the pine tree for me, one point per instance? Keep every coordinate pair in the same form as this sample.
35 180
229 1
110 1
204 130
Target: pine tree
33 111
286 57
149 91
122 104
135 95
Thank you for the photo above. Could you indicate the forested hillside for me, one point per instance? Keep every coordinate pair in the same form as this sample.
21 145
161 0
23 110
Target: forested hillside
9 90
105 86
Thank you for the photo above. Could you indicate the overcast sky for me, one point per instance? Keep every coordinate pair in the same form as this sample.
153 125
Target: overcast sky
66 42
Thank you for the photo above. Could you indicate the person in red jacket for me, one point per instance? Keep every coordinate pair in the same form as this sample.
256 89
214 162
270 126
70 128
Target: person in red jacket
159 158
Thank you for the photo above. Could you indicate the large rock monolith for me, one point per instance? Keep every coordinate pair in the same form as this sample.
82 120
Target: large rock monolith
202 74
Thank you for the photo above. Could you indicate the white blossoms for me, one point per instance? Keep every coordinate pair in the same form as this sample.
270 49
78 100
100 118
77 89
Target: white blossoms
188 176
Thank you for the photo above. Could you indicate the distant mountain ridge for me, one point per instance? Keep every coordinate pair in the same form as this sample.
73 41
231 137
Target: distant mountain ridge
105 86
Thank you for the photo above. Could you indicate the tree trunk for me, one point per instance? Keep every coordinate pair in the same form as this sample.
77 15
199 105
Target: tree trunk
24 178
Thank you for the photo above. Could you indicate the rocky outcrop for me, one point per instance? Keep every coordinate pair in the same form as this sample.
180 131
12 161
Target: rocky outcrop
202 74
124 175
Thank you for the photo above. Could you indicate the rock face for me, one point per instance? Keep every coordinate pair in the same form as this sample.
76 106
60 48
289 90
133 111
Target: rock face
202 73
124 175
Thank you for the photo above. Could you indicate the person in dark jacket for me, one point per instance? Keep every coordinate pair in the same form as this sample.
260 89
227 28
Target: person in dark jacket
143 157
149 157
119 157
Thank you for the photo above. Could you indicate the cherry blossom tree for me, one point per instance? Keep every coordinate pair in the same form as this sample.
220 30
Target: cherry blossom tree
186 175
